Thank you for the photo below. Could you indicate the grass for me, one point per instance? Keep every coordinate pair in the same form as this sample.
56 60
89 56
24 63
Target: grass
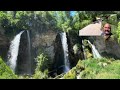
101 69
92 68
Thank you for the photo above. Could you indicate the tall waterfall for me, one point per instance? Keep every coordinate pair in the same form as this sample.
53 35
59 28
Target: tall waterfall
13 51
65 50
94 51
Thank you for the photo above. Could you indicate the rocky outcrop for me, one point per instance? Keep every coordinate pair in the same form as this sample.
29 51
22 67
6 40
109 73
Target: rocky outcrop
58 63
24 62
73 41
42 41
109 48
4 44
2 31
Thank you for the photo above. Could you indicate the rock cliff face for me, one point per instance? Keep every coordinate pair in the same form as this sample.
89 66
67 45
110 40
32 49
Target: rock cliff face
42 41
58 63
109 48
24 61
4 44
74 56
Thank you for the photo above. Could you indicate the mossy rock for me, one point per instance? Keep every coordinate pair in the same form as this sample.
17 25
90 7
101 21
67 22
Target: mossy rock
87 74
80 65
71 74
76 48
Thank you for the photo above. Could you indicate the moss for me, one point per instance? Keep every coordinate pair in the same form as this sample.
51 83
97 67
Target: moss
71 74
88 50
87 74
40 74
80 65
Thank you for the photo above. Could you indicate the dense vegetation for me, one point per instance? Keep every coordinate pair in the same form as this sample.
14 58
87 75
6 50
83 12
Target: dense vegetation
15 21
95 69
5 71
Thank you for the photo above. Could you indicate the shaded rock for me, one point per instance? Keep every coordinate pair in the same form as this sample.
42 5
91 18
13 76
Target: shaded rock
4 46
24 63
109 48
74 39
58 63
42 41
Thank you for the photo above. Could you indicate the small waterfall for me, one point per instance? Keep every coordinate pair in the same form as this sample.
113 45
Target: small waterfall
94 51
29 50
65 49
83 50
13 51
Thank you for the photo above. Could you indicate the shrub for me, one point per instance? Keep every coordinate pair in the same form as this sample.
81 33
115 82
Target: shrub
6 72
41 71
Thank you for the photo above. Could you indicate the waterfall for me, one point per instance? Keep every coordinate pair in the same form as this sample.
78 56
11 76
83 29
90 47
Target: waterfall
13 51
29 51
94 51
83 50
65 50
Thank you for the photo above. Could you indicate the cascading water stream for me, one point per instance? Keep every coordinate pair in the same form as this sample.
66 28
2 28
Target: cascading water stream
94 51
65 50
13 51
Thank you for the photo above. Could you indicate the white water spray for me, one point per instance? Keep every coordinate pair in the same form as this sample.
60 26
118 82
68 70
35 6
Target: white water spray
94 51
13 51
65 50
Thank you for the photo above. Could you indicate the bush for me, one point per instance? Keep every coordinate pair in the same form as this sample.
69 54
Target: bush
41 71
6 72
42 62
84 23
71 74
41 75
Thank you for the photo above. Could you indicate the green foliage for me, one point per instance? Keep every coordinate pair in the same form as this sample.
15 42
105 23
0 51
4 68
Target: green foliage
118 32
42 62
14 21
71 74
25 77
113 19
84 23
41 71
6 72
87 49
95 69
41 75
100 69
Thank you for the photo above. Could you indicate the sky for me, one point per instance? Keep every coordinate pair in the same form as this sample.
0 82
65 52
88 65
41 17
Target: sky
72 13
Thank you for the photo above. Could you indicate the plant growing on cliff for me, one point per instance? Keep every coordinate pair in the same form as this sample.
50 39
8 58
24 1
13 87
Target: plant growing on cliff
71 74
42 62
41 71
118 32
5 71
